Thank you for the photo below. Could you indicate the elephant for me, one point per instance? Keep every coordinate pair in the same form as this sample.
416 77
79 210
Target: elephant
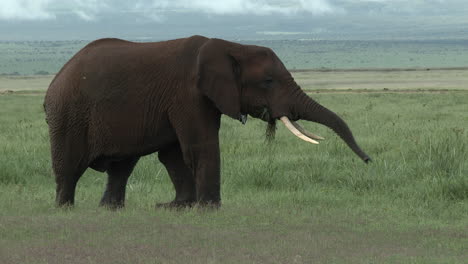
115 101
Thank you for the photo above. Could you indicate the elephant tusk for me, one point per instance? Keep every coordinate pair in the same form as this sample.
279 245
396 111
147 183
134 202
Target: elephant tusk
305 132
294 130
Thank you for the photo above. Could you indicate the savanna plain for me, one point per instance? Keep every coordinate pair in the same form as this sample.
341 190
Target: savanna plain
284 201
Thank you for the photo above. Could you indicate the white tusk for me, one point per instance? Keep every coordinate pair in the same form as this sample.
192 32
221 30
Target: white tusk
305 132
294 130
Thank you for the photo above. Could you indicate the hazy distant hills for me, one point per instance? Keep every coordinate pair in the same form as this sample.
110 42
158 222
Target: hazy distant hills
336 34
47 57
241 27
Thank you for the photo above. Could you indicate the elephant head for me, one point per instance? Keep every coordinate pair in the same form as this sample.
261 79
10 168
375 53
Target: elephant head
246 79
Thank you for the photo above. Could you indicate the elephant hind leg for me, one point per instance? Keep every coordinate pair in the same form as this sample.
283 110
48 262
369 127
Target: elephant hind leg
181 176
69 162
66 185
118 173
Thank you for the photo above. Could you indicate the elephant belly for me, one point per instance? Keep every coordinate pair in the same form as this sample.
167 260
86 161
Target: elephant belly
118 151
115 139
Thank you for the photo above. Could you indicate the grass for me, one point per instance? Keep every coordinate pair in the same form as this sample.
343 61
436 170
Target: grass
284 202
383 80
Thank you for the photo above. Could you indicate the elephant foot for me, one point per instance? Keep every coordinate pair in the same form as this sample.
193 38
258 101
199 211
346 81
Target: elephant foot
112 205
210 205
189 204
65 206
176 205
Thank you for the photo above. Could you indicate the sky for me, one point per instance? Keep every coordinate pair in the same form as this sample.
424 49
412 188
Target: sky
233 19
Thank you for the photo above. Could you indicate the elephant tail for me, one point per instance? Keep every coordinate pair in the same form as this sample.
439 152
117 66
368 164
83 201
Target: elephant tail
45 111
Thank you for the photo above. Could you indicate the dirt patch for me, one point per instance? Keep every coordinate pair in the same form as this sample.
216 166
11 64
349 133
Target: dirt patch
6 92
390 91
22 92
119 239
381 69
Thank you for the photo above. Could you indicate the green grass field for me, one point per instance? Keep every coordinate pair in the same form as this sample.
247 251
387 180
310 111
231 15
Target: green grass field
283 202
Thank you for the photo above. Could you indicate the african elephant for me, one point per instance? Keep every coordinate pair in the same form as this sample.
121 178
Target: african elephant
116 101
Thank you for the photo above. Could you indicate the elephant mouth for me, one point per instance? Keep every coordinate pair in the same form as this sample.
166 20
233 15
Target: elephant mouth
262 113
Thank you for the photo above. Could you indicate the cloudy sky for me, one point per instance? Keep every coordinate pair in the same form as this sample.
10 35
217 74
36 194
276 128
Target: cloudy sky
235 19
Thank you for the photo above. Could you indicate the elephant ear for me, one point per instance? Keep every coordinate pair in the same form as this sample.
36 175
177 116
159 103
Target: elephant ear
218 75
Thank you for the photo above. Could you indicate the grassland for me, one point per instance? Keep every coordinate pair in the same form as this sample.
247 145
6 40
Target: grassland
308 54
46 57
36 57
283 202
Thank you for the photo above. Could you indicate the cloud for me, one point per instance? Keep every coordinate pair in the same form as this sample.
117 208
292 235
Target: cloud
89 10
158 10
257 7
25 10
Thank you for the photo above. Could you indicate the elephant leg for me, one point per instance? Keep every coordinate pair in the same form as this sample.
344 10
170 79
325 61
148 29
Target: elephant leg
117 176
205 163
68 163
66 184
198 134
181 176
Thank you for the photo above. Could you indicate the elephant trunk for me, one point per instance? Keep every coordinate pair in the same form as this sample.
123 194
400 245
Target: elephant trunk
308 109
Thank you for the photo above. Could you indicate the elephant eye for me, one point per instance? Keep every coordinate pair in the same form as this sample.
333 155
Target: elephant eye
268 82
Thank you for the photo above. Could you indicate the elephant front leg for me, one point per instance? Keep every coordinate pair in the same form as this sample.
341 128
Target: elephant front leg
181 177
205 164
198 135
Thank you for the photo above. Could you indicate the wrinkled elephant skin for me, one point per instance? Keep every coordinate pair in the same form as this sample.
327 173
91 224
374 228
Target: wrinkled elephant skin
116 101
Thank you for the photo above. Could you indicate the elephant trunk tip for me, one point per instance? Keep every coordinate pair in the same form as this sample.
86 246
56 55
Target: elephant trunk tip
361 154
367 159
